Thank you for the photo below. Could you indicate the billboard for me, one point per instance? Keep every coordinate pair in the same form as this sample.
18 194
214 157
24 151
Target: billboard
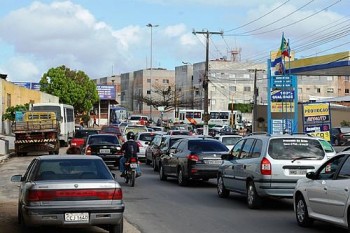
106 92
317 120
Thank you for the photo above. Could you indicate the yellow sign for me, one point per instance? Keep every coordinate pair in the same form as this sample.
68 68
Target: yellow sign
316 110
325 135
282 107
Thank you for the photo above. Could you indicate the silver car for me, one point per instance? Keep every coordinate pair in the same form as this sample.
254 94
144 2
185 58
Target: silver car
324 194
70 190
269 165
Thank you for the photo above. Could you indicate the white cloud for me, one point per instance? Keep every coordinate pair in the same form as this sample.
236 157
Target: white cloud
21 69
175 30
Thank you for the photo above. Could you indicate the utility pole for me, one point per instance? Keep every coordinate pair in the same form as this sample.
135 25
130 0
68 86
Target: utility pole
206 79
255 100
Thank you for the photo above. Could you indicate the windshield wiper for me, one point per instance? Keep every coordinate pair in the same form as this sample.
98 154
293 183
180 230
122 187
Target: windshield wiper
306 157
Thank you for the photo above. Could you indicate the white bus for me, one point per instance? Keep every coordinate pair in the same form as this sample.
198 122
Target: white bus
65 115
226 118
191 116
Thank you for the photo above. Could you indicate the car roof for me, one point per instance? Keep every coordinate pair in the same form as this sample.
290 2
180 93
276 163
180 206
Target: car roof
67 157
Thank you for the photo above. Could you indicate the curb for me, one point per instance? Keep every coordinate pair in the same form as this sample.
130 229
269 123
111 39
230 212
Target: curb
3 158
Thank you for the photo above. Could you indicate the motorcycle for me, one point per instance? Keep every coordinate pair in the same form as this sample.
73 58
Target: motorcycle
130 171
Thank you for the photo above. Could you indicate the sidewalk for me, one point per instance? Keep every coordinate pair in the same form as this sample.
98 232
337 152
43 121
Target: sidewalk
11 148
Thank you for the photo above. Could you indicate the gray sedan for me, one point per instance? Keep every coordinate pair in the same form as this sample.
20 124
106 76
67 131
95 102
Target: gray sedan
70 190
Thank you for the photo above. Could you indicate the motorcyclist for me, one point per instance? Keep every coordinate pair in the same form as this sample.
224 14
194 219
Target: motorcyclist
130 149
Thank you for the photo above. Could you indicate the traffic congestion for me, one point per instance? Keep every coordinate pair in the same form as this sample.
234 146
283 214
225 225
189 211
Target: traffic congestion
259 169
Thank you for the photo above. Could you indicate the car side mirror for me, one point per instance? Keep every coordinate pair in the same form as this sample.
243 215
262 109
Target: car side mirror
16 178
311 175
227 157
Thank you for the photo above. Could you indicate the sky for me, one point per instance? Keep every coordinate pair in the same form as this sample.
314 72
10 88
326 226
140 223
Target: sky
110 37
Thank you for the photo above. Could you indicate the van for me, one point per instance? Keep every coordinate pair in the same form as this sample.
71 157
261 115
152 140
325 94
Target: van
138 120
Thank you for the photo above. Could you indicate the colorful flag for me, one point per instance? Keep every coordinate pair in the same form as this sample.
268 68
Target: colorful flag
278 63
284 48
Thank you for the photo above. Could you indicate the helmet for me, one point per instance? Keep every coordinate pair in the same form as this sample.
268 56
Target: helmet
130 135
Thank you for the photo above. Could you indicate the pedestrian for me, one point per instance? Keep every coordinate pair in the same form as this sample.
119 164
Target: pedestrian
93 126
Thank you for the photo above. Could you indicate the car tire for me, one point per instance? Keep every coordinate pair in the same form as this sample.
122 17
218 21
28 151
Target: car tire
222 191
155 166
301 212
162 175
253 199
181 179
117 228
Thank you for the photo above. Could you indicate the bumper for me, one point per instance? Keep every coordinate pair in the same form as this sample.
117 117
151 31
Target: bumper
203 172
276 189
34 216
111 160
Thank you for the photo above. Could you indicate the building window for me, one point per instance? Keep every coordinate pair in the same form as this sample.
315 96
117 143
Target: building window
330 90
247 89
318 90
329 78
232 88
346 91
197 92
148 92
149 80
213 102
165 80
8 100
308 89
346 78
300 90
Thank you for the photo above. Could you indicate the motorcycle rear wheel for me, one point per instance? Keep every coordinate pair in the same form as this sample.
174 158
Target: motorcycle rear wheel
132 178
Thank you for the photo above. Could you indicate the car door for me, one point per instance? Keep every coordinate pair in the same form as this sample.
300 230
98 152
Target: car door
317 189
167 157
177 157
27 180
338 191
244 166
228 171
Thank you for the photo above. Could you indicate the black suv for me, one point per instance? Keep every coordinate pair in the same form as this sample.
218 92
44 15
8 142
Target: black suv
192 158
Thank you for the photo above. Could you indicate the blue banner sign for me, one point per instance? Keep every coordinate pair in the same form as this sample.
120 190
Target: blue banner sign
282 95
106 92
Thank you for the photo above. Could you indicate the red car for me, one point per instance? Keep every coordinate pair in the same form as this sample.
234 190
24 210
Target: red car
112 129
80 136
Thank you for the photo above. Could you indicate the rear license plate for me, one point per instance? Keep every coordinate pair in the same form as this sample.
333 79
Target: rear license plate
214 161
133 165
76 217
297 172
105 151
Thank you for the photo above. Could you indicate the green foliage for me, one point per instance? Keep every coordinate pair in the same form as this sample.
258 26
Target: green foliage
72 87
244 108
345 123
10 112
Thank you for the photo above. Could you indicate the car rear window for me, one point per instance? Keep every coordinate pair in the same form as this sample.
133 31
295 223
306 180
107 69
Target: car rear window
292 148
111 130
230 140
103 139
84 133
205 145
146 137
72 169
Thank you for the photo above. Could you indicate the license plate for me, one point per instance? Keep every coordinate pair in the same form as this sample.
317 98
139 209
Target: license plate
76 217
297 172
105 151
214 161
133 165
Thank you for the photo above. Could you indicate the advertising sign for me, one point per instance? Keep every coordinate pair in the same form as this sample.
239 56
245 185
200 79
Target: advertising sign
106 92
280 126
282 106
317 120
316 109
282 95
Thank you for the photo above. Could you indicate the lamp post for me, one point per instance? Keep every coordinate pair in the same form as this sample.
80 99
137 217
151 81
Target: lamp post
150 75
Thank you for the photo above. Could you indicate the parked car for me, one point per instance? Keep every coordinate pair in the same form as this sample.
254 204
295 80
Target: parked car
228 140
112 129
143 139
106 146
340 135
263 165
192 158
324 194
80 136
158 146
70 190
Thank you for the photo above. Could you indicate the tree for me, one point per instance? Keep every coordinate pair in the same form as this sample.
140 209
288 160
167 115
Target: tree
72 87
10 112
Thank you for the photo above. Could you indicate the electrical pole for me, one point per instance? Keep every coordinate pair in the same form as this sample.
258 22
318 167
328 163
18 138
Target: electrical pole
255 100
206 115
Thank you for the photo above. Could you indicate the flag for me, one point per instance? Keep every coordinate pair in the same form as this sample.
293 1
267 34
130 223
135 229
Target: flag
278 64
284 48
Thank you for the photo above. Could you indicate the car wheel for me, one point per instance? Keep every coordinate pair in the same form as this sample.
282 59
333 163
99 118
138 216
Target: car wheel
117 228
253 199
222 191
57 152
155 167
181 179
301 212
162 176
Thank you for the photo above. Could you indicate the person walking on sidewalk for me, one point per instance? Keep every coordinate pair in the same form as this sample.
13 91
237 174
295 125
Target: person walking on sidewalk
93 126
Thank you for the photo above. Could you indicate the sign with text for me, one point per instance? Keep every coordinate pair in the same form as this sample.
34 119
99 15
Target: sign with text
282 95
106 92
282 106
317 120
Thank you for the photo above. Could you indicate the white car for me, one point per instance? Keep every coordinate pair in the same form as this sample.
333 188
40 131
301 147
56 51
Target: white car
324 194
229 140
143 139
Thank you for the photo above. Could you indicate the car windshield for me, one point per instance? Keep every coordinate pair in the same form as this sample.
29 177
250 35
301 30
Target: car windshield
206 146
292 148
63 169
111 130
84 133
230 140
103 139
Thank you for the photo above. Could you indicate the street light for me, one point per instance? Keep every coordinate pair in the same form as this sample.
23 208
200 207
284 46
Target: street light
150 75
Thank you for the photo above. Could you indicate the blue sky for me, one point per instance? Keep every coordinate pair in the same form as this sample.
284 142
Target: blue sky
109 37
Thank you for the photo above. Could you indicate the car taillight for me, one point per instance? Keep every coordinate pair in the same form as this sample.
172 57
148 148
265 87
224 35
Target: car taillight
139 144
73 143
194 158
49 195
265 167
133 160
88 150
